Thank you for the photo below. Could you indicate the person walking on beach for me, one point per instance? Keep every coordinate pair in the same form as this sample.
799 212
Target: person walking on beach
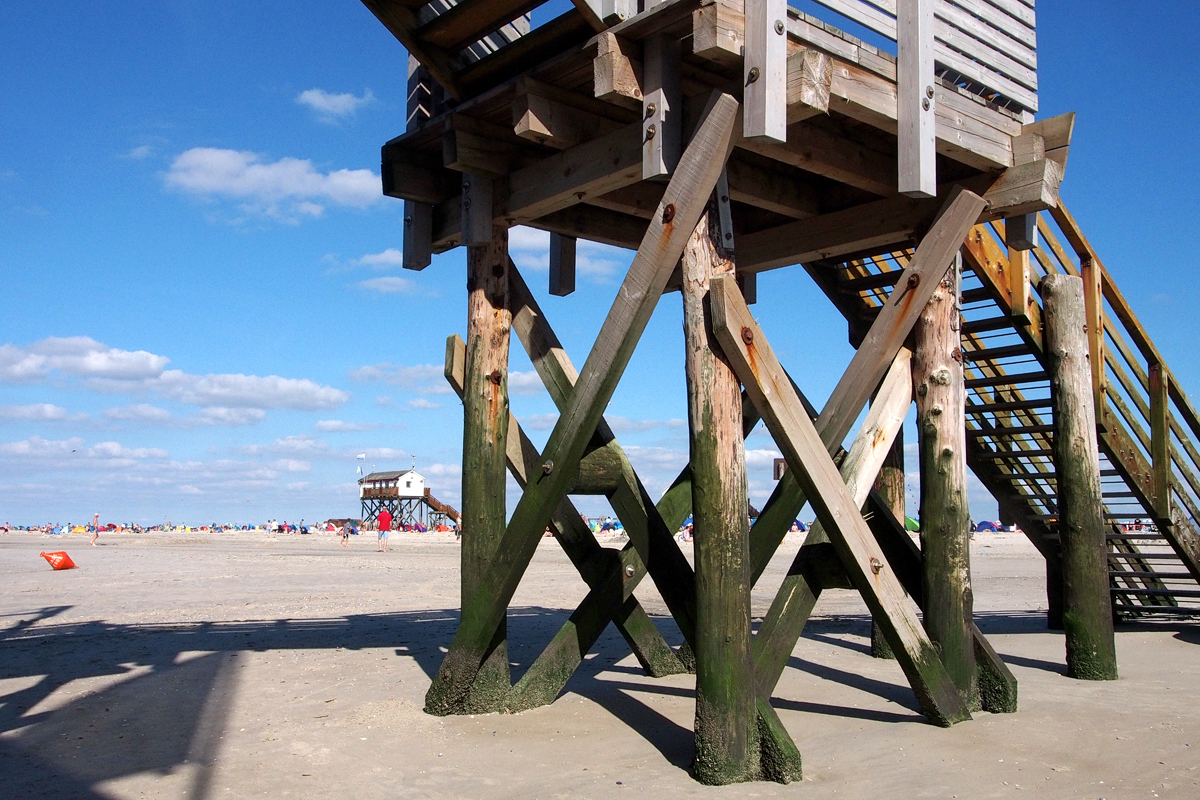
345 531
95 528
385 527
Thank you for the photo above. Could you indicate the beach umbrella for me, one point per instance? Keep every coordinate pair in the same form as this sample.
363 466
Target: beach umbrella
911 524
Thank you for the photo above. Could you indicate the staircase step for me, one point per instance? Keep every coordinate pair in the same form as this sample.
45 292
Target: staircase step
1008 380
1182 610
1175 576
994 353
1007 454
1003 431
987 324
1158 592
869 282
1014 405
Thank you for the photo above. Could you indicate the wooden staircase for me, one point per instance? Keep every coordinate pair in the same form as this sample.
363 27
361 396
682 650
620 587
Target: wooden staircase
1148 428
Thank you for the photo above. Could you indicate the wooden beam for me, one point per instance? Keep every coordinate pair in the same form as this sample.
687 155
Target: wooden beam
687 193
915 97
945 515
1027 188
809 77
562 264
1093 300
550 116
617 72
595 225
476 209
1018 286
600 568
418 235
662 106
793 603
1160 437
485 436
752 358
1056 135
1087 608
468 21
556 36
832 156
765 71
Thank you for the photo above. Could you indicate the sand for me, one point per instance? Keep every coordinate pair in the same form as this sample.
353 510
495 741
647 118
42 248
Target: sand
232 665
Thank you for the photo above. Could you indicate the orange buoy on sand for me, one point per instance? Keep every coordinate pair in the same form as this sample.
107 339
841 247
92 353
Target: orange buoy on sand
59 560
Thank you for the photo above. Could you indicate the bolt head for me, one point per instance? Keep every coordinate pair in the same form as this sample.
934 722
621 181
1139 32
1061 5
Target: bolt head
747 335
629 570
779 27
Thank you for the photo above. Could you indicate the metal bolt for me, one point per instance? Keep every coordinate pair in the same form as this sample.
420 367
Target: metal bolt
650 109
929 92
876 565
747 336
752 76
466 202
668 213
925 104
496 377
548 467
728 236
650 131
629 570
779 27
408 221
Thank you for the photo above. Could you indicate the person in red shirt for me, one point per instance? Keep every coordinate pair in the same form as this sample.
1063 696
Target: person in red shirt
385 525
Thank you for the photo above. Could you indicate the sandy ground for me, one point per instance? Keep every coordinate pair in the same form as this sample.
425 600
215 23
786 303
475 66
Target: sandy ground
232 665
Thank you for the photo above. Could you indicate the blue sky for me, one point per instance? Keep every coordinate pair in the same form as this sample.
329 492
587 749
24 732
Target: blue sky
204 317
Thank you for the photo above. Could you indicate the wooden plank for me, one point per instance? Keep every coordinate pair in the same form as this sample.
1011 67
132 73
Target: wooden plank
945 515
687 193
1020 294
752 358
952 40
476 209
418 235
752 182
468 21
765 71
972 69
914 93
1093 300
1160 438
485 435
594 224
554 37
1018 41
867 15
662 106
1087 615
1020 232
1056 135
562 264
1027 188
889 486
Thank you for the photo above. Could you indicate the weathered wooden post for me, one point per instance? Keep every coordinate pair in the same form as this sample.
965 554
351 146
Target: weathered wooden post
1087 609
485 434
890 484
945 517
727 742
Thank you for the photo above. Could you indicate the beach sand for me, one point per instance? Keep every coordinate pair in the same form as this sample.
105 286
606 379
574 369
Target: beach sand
230 665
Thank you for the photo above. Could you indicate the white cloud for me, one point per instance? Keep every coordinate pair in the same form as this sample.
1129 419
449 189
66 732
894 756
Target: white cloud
73 452
140 153
390 284
388 258
288 446
622 425
330 106
281 189
109 369
39 412
539 422
247 391
525 383
422 378
140 412
421 402
291 465
762 458
337 426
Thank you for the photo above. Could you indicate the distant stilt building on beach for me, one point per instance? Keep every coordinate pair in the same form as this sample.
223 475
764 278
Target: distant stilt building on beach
405 496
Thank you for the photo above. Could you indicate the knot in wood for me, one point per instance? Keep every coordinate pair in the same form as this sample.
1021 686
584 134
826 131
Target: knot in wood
496 377
747 336
668 213
941 377
498 271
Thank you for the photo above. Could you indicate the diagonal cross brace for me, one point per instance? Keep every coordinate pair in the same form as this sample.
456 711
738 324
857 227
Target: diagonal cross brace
752 359
675 218
600 568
